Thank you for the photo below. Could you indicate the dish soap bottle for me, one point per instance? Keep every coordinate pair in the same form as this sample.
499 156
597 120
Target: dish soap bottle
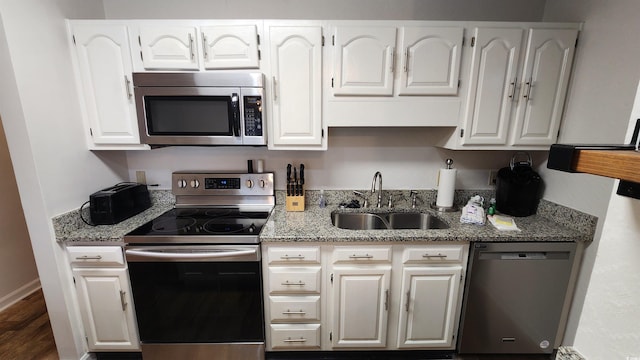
322 202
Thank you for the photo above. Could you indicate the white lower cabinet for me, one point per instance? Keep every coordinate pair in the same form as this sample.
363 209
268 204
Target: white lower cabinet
104 298
367 297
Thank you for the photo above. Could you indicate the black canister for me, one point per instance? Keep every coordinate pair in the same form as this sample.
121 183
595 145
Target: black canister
518 187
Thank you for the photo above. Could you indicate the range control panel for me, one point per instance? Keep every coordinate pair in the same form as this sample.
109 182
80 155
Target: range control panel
211 183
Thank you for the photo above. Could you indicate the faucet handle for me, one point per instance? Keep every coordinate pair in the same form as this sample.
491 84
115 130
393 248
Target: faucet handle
390 203
366 201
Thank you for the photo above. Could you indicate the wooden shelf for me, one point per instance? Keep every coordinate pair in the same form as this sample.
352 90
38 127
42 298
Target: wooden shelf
618 164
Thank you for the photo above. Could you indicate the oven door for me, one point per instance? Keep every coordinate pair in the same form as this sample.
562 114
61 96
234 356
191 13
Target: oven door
175 115
194 297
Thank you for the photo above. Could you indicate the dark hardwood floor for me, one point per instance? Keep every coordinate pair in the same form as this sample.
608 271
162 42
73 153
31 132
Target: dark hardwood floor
25 331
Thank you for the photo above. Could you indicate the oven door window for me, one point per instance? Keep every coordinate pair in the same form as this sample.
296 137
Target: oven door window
186 302
191 115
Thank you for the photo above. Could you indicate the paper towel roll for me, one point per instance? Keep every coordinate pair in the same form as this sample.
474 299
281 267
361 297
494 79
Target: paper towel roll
446 187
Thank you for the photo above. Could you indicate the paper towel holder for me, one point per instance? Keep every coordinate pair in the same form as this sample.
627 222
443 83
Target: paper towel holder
451 208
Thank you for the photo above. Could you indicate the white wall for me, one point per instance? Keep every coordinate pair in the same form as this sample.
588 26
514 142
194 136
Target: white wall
515 10
17 265
608 326
601 96
353 156
41 117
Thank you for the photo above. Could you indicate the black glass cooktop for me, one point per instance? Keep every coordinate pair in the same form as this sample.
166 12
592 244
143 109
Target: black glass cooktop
204 221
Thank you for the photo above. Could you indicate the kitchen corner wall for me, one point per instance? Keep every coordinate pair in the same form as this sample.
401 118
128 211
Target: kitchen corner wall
606 309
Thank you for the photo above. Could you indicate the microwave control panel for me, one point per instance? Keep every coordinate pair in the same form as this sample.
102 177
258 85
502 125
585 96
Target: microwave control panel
253 115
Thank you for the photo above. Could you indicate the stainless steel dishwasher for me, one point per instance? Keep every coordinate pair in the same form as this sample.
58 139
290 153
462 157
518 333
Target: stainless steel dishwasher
517 297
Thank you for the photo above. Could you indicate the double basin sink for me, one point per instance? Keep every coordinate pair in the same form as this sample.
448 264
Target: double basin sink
386 221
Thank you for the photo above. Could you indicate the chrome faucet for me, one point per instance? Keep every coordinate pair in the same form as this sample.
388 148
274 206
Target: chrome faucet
376 176
414 198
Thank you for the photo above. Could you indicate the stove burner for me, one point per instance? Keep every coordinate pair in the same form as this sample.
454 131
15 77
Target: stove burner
173 225
215 213
229 225
185 212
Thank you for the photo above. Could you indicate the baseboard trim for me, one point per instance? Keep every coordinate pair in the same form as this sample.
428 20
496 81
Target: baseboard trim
19 294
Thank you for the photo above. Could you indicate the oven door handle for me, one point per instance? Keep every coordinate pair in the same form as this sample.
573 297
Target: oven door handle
200 255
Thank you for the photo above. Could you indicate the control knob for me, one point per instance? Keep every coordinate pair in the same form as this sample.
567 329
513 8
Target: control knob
262 183
182 183
195 183
249 183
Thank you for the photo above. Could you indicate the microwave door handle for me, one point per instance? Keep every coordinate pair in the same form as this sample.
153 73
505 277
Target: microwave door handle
235 105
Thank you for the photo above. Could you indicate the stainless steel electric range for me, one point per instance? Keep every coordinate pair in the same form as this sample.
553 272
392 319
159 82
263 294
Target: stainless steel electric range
195 270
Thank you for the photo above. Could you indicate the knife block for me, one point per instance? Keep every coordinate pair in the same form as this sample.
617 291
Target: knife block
295 203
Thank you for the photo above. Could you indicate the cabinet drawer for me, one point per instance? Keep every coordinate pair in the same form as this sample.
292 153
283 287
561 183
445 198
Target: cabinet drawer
362 254
298 336
294 279
293 255
434 254
96 256
294 308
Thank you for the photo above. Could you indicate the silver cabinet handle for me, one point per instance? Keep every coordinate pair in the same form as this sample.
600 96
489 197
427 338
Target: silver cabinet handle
274 86
287 257
406 61
204 47
127 84
393 59
408 300
123 301
290 340
439 255
299 283
85 257
512 88
365 256
191 47
386 299
289 312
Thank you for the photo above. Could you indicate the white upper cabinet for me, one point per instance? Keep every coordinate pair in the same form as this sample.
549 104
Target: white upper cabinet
545 76
198 45
169 47
364 60
104 70
516 93
493 85
295 53
230 47
430 60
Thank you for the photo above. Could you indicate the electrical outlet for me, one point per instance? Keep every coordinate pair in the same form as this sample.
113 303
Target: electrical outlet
493 175
141 177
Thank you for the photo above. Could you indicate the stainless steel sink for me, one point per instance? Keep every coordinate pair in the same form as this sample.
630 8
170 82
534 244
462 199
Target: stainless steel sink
415 221
386 221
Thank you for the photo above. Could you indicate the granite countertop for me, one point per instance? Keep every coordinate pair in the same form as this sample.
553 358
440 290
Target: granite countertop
551 223
70 229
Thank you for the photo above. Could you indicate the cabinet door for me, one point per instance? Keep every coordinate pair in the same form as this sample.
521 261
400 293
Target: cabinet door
363 60
296 99
545 80
230 47
169 47
493 85
104 64
429 306
360 306
430 60
106 308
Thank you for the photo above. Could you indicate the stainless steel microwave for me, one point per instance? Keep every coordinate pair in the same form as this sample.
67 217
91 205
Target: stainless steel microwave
203 108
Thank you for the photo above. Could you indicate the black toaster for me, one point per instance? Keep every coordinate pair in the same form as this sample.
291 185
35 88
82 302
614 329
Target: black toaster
119 202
